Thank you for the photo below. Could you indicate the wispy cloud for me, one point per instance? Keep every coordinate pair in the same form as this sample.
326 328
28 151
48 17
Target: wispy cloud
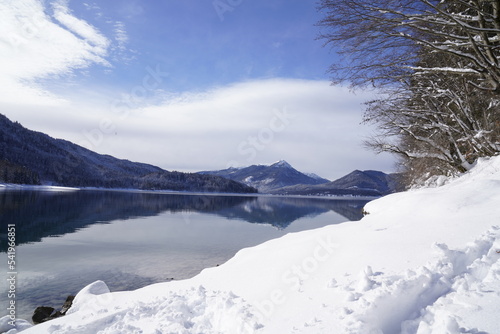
93 7
35 45
120 35
90 35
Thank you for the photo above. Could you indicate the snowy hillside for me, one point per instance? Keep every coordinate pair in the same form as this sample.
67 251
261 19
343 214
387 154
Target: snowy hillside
281 178
424 261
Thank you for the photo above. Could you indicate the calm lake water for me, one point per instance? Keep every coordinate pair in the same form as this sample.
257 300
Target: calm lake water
66 240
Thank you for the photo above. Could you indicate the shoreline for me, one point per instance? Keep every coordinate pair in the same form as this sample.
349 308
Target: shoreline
49 188
402 269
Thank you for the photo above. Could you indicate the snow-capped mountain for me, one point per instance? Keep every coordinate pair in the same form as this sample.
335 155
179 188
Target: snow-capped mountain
282 178
267 178
282 164
30 157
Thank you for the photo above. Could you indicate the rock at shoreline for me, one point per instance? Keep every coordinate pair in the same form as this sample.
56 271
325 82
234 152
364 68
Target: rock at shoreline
44 313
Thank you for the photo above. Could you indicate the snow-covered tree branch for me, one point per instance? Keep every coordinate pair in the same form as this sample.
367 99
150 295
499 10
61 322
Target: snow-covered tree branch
437 63
381 40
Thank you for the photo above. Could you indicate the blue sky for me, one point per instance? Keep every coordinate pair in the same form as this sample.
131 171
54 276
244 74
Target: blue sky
187 85
204 43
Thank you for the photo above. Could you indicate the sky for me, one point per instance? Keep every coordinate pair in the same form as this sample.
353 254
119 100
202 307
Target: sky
185 85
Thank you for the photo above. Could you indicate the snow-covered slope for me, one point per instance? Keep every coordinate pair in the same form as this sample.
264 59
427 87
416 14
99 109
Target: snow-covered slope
424 261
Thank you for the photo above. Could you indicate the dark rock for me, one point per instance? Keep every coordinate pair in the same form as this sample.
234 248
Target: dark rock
41 314
44 313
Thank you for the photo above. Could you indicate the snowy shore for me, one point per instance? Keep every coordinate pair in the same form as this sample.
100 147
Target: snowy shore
12 186
423 261
50 188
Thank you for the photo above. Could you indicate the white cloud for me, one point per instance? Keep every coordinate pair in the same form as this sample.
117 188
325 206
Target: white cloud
34 46
311 124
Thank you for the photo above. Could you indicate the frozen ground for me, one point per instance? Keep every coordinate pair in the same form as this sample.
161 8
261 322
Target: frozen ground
424 261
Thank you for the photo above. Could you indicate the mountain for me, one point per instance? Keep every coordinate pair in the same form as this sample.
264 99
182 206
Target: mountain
267 178
32 157
282 179
357 183
368 180
317 177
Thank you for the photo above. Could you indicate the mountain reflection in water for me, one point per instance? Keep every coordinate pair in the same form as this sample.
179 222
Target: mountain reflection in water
39 214
67 240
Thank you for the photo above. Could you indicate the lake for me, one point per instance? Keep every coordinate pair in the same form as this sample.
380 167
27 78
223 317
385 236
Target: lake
66 240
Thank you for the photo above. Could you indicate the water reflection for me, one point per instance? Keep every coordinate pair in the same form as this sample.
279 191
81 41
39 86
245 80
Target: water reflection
129 240
41 214
282 211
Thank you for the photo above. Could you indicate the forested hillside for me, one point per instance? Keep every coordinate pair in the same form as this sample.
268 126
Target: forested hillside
12 173
30 157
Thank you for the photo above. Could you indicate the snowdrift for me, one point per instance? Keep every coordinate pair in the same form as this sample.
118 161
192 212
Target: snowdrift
423 261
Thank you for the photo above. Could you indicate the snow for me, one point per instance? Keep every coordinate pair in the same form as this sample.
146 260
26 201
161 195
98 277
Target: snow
315 176
5 325
248 180
423 261
282 164
11 186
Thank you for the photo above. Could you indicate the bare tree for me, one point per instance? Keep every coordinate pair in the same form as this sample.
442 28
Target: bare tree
381 39
437 63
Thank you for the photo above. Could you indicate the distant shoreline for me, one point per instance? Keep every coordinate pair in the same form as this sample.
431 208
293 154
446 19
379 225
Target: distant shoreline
50 188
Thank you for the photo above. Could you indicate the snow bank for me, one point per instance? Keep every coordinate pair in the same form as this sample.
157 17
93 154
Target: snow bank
6 325
424 261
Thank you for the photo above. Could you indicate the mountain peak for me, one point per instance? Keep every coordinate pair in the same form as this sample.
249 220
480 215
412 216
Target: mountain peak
268 177
282 164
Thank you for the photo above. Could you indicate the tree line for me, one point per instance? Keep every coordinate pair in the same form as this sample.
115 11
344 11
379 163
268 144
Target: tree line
13 173
436 66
